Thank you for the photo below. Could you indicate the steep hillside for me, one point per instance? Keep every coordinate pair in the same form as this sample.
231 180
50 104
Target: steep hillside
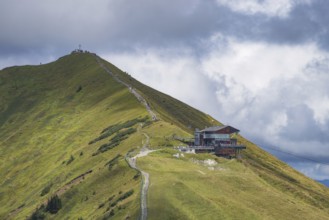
67 126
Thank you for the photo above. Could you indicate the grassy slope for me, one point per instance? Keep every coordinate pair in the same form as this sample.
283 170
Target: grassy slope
43 121
186 190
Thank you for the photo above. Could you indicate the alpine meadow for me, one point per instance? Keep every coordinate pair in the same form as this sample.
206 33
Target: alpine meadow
70 130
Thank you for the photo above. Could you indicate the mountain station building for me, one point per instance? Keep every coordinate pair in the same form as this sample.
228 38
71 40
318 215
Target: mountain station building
222 140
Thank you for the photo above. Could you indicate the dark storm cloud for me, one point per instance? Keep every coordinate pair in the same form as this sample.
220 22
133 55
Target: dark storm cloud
107 24
187 22
118 25
305 22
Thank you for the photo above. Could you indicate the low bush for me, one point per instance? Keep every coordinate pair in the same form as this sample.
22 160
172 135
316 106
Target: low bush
109 215
136 176
125 195
116 140
101 205
107 132
111 198
79 89
38 214
114 161
70 160
147 123
46 189
54 204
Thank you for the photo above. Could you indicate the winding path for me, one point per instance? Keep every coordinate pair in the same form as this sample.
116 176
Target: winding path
139 97
146 177
144 151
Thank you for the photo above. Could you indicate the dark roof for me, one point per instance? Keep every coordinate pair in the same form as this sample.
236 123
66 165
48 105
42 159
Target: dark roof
218 128
215 128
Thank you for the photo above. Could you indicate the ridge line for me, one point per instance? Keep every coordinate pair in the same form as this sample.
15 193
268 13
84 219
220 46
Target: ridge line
139 97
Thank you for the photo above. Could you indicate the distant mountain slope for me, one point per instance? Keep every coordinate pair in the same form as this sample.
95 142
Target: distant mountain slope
66 127
324 182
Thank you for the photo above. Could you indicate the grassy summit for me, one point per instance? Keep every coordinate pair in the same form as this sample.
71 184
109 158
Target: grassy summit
66 127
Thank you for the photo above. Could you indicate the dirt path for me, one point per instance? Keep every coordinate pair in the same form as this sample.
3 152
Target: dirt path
146 177
73 182
139 97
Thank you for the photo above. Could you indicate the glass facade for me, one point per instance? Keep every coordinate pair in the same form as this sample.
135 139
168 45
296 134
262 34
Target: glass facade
216 136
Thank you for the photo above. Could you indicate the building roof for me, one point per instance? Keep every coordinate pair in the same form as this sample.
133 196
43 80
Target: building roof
218 128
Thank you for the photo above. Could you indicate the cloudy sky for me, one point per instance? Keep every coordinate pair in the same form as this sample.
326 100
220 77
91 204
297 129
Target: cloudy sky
259 65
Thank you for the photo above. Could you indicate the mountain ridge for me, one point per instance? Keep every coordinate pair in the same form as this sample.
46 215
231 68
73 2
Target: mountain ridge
49 113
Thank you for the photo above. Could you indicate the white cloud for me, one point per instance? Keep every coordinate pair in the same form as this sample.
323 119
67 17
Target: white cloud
255 65
279 8
274 93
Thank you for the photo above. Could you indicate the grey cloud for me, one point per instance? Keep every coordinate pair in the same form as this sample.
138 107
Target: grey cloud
283 116
301 125
124 25
306 22
109 24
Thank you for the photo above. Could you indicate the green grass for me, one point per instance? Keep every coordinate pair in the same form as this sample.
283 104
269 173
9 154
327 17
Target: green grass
230 191
45 121
48 115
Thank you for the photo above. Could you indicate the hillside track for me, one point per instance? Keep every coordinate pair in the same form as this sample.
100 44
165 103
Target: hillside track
139 97
146 176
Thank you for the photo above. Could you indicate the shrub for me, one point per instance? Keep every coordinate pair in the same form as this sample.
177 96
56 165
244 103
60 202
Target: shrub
126 195
136 176
123 134
108 215
79 89
107 132
54 204
114 203
101 205
38 214
107 146
110 199
46 189
147 123
115 141
114 161
70 160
